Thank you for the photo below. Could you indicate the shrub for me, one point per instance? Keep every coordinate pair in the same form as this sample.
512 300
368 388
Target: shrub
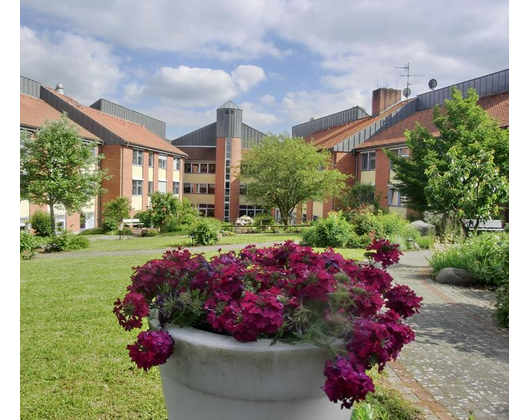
28 243
486 256
503 304
114 212
66 242
425 242
365 222
145 218
94 231
206 231
333 231
149 232
263 221
124 231
171 225
361 196
41 223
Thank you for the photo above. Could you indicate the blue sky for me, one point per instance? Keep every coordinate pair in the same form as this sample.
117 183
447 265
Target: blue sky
281 61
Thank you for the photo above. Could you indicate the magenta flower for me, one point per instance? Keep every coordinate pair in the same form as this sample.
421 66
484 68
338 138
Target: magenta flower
152 348
131 311
386 253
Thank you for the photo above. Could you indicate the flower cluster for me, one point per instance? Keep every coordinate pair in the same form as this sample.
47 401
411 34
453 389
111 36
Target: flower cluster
285 292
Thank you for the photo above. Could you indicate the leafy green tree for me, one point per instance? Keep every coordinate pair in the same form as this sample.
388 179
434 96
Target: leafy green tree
58 169
464 171
167 211
115 211
282 172
360 196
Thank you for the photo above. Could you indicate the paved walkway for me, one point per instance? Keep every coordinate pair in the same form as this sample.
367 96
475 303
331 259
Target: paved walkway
459 359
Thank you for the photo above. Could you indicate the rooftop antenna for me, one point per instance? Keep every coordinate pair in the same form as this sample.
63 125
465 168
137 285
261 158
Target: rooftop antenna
407 91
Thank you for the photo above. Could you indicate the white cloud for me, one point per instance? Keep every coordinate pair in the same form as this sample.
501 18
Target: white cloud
267 99
247 76
254 116
87 68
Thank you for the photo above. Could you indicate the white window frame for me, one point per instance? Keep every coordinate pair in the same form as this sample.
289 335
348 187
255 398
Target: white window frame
139 190
368 161
162 158
138 157
176 164
177 183
165 186
151 159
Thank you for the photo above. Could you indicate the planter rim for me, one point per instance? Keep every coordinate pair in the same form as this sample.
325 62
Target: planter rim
214 340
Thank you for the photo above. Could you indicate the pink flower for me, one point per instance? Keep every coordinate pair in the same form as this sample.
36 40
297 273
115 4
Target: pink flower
152 348
403 300
131 311
386 253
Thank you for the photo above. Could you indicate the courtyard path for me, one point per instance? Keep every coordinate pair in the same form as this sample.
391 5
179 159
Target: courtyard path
459 360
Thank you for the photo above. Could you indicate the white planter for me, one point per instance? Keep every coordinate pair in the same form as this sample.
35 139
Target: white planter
215 377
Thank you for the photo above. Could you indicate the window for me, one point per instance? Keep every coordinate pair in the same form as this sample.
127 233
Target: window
162 186
250 211
187 188
162 162
204 168
211 188
138 157
368 161
207 210
86 220
137 187
402 152
151 159
176 164
203 188
60 222
195 168
187 168
211 168
150 187
176 188
395 199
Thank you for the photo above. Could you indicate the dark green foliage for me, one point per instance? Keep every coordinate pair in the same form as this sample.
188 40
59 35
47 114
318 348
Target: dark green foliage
206 231
171 225
66 242
41 223
168 213
333 231
361 196
145 218
114 212
94 231
503 304
263 221
28 243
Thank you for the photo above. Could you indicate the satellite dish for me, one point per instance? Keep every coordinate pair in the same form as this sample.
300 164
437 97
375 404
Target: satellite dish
406 92
432 84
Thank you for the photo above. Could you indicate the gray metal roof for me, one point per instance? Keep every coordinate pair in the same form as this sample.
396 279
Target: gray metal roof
30 87
152 124
338 118
229 105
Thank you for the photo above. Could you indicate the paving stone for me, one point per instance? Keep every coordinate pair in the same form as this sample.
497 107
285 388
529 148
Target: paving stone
459 356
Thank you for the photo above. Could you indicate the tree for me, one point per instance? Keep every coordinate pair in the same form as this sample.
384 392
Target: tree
58 169
282 172
168 212
465 171
115 211
361 195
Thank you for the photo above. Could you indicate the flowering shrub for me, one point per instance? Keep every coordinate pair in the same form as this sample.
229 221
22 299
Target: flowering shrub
286 292
244 221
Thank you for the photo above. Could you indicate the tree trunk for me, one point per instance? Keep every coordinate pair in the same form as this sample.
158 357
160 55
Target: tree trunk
52 218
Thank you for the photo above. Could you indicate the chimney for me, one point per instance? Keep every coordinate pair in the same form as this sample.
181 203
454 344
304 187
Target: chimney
59 88
383 98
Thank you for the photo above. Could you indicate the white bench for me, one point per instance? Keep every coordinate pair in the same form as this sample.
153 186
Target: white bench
132 223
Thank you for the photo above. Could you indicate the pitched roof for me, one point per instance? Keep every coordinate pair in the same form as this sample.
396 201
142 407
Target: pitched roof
229 105
496 105
330 137
34 113
128 131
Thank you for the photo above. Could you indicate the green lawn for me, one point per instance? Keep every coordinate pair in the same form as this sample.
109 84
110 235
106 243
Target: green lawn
159 242
73 360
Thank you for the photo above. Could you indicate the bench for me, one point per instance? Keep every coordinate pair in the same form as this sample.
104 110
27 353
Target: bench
486 226
133 223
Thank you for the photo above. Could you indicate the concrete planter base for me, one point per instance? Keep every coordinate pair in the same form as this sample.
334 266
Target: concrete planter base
210 376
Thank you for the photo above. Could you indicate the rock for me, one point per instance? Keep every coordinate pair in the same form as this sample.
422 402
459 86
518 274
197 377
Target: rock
455 276
424 228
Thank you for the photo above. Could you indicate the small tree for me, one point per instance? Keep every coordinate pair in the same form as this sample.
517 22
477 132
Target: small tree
282 172
58 169
115 211
464 171
360 196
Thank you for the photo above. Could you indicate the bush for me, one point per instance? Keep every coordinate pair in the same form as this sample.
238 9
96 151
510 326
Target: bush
333 231
171 225
206 231
425 242
365 222
149 233
41 223
94 231
66 242
486 256
114 212
503 304
145 218
263 221
28 243
361 196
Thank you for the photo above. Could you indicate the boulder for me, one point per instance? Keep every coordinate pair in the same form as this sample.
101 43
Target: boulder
455 276
424 228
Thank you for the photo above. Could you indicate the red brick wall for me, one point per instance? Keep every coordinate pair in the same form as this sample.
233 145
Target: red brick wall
382 176
234 182
145 176
345 163
382 98
169 175
126 183
112 163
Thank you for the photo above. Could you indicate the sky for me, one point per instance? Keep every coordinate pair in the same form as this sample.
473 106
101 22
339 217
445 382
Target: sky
281 61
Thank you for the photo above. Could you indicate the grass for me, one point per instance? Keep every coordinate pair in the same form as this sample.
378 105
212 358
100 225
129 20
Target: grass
74 362
159 242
